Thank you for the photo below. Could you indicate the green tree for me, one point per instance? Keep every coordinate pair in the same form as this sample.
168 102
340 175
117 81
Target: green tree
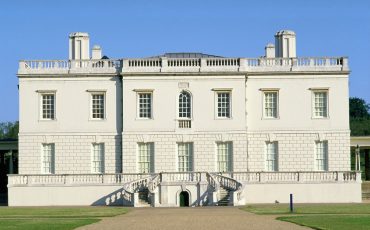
359 113
358 108
9 130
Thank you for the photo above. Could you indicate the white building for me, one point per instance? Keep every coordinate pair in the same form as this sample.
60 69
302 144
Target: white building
184 128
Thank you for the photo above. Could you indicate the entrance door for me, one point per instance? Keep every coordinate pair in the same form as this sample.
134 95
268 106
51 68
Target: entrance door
184 199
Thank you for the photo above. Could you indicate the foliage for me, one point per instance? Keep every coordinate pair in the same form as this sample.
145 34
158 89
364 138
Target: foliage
359 113
334 222
358 108
9 130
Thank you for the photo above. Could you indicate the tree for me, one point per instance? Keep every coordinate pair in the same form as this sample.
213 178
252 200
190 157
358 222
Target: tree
9 130
359 113
358 108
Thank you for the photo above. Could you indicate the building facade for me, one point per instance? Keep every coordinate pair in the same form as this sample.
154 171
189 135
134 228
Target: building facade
184 129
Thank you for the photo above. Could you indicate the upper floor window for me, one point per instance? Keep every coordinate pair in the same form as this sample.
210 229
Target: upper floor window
145 105
47 158
272 156
48 106
270 104
320 103
321 155
223 104
184 105
97 159
97 105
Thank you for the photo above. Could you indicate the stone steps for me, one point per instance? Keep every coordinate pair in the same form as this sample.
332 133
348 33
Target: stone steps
224 197
143 197
365 187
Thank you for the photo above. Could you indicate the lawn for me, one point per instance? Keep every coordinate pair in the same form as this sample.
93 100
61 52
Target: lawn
319 216
60 218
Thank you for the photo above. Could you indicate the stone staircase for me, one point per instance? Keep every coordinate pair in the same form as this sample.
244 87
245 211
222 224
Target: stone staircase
365 190
224 197
144 197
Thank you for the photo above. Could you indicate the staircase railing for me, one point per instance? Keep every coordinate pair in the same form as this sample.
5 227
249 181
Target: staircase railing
230 184
213 182
131 187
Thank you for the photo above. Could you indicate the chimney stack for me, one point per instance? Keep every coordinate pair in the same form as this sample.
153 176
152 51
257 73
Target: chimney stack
270 50
96 52
79 46
285 44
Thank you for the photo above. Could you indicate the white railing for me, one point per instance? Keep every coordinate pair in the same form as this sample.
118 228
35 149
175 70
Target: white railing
183 65
183 62
184 124
67 179
229 180
69 66
181 176
294 177
213 182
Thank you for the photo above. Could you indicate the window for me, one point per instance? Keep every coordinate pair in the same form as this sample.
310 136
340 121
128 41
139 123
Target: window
320 104
146 157
48 106
224 156
270 104
185 156
184 105
97 105
321 156
47 158
145 105
223 104
97 160
272 156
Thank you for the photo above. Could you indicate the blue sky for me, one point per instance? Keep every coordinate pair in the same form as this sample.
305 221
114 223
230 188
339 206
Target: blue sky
39 30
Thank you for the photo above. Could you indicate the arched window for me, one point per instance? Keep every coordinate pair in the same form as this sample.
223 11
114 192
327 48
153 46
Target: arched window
184 105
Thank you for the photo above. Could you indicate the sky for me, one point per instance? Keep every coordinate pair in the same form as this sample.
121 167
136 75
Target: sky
39 29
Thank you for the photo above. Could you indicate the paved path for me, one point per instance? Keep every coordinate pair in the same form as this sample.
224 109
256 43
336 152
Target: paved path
214 218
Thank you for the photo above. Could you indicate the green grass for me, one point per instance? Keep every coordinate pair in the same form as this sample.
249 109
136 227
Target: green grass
278 209
45 223
59 218
334 222
319 216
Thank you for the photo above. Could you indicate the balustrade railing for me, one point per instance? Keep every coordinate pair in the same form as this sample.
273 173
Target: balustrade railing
184 64
181 176
229 180
294 177
184 124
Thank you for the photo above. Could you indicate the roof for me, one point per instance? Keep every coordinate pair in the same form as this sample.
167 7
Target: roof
186 55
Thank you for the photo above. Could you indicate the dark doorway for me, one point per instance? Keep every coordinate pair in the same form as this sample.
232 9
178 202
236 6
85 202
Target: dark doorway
184 199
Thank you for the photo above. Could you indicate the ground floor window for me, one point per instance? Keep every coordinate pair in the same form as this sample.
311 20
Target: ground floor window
145 157
48 158
272 156
185 156
321 156
224 156
97 164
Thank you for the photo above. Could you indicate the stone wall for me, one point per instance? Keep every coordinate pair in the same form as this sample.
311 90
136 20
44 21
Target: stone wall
72 152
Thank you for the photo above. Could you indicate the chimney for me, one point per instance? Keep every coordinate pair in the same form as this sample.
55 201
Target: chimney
270 50
96 52
79 46
285 44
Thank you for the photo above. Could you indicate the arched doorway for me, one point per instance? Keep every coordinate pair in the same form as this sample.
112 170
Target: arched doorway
184 199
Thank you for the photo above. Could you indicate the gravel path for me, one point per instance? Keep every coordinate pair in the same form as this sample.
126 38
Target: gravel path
215 218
